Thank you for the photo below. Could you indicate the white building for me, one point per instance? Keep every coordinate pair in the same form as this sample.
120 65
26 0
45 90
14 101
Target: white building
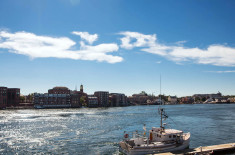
172 99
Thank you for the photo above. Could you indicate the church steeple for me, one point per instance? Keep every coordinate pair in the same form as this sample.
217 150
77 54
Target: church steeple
81 88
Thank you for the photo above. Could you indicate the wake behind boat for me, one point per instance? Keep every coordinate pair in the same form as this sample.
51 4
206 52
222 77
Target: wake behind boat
158 140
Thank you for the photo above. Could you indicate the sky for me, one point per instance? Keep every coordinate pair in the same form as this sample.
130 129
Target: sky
120 46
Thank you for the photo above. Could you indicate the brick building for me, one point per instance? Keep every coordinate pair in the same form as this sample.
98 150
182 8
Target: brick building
103 98
60 97
117 99
13 97
59 90
3 97
79 96
187 100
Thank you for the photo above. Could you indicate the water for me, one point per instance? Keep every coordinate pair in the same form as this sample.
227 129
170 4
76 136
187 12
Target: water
98 131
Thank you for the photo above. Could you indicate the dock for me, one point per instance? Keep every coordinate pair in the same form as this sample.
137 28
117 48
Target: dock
206 150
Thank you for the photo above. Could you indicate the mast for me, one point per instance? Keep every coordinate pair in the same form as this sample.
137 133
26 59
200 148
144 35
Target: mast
160 89
161 117
161 99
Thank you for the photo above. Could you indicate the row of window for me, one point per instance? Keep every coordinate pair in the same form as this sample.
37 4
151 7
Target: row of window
170 136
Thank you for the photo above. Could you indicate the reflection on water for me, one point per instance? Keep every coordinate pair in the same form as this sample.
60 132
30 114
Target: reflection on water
98 131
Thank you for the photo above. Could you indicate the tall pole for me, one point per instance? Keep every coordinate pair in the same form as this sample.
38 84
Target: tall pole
161 118
160 89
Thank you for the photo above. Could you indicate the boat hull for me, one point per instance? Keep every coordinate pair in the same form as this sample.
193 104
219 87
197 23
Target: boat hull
150 149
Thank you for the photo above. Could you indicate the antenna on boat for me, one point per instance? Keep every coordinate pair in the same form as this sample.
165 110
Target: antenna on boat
161 111
164 116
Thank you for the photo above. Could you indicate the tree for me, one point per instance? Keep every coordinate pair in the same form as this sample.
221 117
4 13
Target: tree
83 101
197 99
144 93
22 99
203 99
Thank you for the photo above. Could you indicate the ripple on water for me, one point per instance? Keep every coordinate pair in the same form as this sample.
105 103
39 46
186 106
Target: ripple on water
98 130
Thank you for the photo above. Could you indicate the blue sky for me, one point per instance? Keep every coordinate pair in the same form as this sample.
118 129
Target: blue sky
118 46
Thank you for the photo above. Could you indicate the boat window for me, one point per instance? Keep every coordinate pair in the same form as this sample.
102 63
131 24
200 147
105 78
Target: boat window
174 136
170 136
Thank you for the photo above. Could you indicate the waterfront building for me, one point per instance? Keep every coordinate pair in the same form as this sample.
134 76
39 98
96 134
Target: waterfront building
117 99
59 90
231 99
187 100
103 98
139 98
204 97
3 97
172 99
9 97
60 97
75 101
51 100
79 95
92 101
13 97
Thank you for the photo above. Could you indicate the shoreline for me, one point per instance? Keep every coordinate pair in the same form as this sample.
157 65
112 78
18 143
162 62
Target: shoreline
32 107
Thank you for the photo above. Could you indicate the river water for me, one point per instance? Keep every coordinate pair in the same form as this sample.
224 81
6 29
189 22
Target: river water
98 130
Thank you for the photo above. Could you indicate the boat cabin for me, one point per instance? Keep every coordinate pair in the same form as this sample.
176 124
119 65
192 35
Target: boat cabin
164 135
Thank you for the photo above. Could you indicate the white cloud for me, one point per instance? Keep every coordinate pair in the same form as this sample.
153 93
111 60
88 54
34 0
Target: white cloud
90 38
180 43
232 71
158 62
36 46
140 40
218 55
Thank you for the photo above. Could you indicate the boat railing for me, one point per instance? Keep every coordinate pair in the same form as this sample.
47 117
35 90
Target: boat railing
135 134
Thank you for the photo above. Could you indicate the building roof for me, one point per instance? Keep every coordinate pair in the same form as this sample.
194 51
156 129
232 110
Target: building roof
59 87
101 92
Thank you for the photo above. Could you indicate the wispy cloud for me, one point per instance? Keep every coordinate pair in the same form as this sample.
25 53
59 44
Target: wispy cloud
90 38
180 43
36 46
158 62
232 71
218 55
135 39
75 2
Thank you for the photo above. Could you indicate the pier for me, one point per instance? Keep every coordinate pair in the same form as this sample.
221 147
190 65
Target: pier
205 150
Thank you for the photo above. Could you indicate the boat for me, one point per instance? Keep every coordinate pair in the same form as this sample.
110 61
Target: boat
159 140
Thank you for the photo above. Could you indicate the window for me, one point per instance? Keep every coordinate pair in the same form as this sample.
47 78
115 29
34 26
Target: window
170 136
174 136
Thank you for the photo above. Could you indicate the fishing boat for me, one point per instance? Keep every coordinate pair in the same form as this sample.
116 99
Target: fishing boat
158 140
